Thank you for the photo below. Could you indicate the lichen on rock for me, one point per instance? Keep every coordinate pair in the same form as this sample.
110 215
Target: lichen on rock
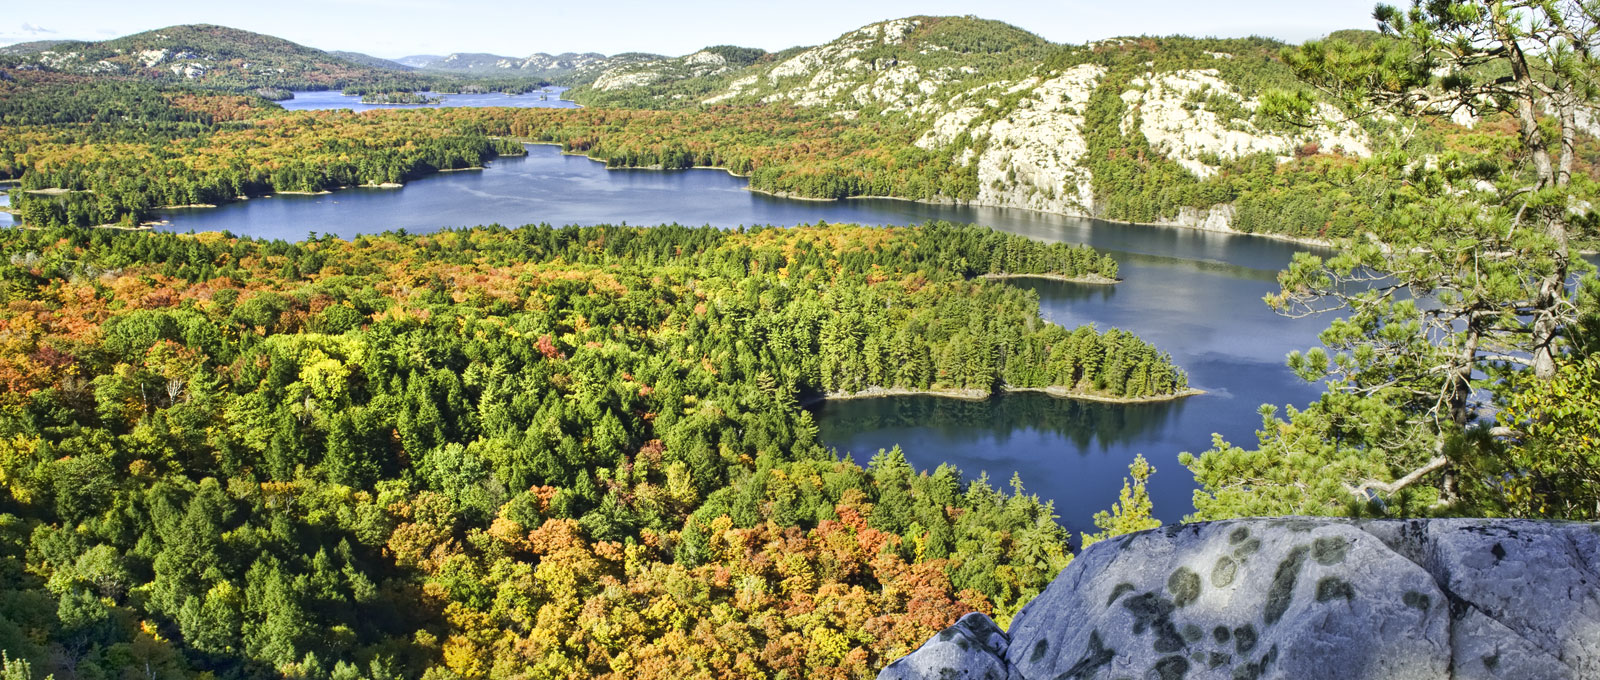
1304 599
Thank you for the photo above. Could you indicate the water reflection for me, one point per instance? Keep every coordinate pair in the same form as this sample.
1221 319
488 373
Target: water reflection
1064 450
1088 426
1196 295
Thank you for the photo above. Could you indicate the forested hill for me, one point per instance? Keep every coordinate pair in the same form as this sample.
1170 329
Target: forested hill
942 109
209 55
369 60
562 68
544 452
217 57
901 62
1143 129
1126 128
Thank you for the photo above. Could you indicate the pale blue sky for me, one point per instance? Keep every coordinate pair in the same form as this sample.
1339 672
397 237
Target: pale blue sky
395 28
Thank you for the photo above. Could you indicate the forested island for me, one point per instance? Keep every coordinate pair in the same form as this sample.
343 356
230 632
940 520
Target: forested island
400 98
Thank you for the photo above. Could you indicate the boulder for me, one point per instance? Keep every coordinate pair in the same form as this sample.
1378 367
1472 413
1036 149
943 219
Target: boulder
972 649
1301 599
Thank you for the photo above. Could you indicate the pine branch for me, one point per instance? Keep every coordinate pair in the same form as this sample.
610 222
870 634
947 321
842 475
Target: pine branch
1363 490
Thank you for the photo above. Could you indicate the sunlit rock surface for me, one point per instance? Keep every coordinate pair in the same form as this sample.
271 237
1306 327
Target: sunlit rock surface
1301 598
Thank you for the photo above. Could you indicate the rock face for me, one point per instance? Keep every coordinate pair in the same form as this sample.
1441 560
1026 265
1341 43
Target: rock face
973 648
1216 218
1301 599
1008 111
1192 115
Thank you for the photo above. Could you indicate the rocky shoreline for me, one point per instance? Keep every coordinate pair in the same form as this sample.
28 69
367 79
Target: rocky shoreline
1092 279
972 394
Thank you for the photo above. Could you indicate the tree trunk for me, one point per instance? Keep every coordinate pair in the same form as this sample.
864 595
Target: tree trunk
1552 287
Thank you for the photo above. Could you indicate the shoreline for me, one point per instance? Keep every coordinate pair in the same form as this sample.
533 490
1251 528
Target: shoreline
1064 393
1306 241
1299 240
975 395
789 196
1287 238
653 168
1092 279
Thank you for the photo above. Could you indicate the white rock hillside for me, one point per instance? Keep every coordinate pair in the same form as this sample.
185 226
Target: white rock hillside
701 64
991 96
1301 599
1033 155
1173 112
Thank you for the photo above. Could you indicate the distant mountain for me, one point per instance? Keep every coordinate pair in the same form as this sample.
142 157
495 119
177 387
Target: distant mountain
902 60
649 70
461 62
33 47
418 60
564 67
203 54
369 60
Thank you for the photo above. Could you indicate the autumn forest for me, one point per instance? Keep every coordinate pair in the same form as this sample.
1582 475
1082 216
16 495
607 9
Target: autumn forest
593 451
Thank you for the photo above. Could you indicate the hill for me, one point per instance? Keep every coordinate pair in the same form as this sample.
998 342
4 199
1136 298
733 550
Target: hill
208 55
31 47
1015 117
418 60
871 65
673 80
369 60
567 66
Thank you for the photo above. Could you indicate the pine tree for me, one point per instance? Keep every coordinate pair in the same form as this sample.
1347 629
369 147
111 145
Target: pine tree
1131 512
1485 243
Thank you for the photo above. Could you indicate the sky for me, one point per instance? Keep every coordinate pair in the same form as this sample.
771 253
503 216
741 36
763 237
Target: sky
396 28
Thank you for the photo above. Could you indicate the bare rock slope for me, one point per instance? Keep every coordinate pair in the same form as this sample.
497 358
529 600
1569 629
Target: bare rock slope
1301 598
1008 108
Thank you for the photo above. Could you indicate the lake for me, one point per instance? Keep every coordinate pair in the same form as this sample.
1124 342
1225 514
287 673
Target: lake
1196 295
333 99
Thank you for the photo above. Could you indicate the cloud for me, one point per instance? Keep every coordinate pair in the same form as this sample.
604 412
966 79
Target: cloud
30 29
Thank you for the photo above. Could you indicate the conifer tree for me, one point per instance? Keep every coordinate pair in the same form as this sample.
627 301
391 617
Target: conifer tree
1484 245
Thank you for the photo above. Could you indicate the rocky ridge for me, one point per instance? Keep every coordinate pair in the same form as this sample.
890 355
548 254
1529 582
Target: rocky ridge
1300 598
564 66
206 55
988 96
703 64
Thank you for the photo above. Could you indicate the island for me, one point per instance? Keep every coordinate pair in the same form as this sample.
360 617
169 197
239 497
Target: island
400 98
276 94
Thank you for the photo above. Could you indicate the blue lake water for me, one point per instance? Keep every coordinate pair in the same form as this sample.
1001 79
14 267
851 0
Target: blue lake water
333 99
1196 295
